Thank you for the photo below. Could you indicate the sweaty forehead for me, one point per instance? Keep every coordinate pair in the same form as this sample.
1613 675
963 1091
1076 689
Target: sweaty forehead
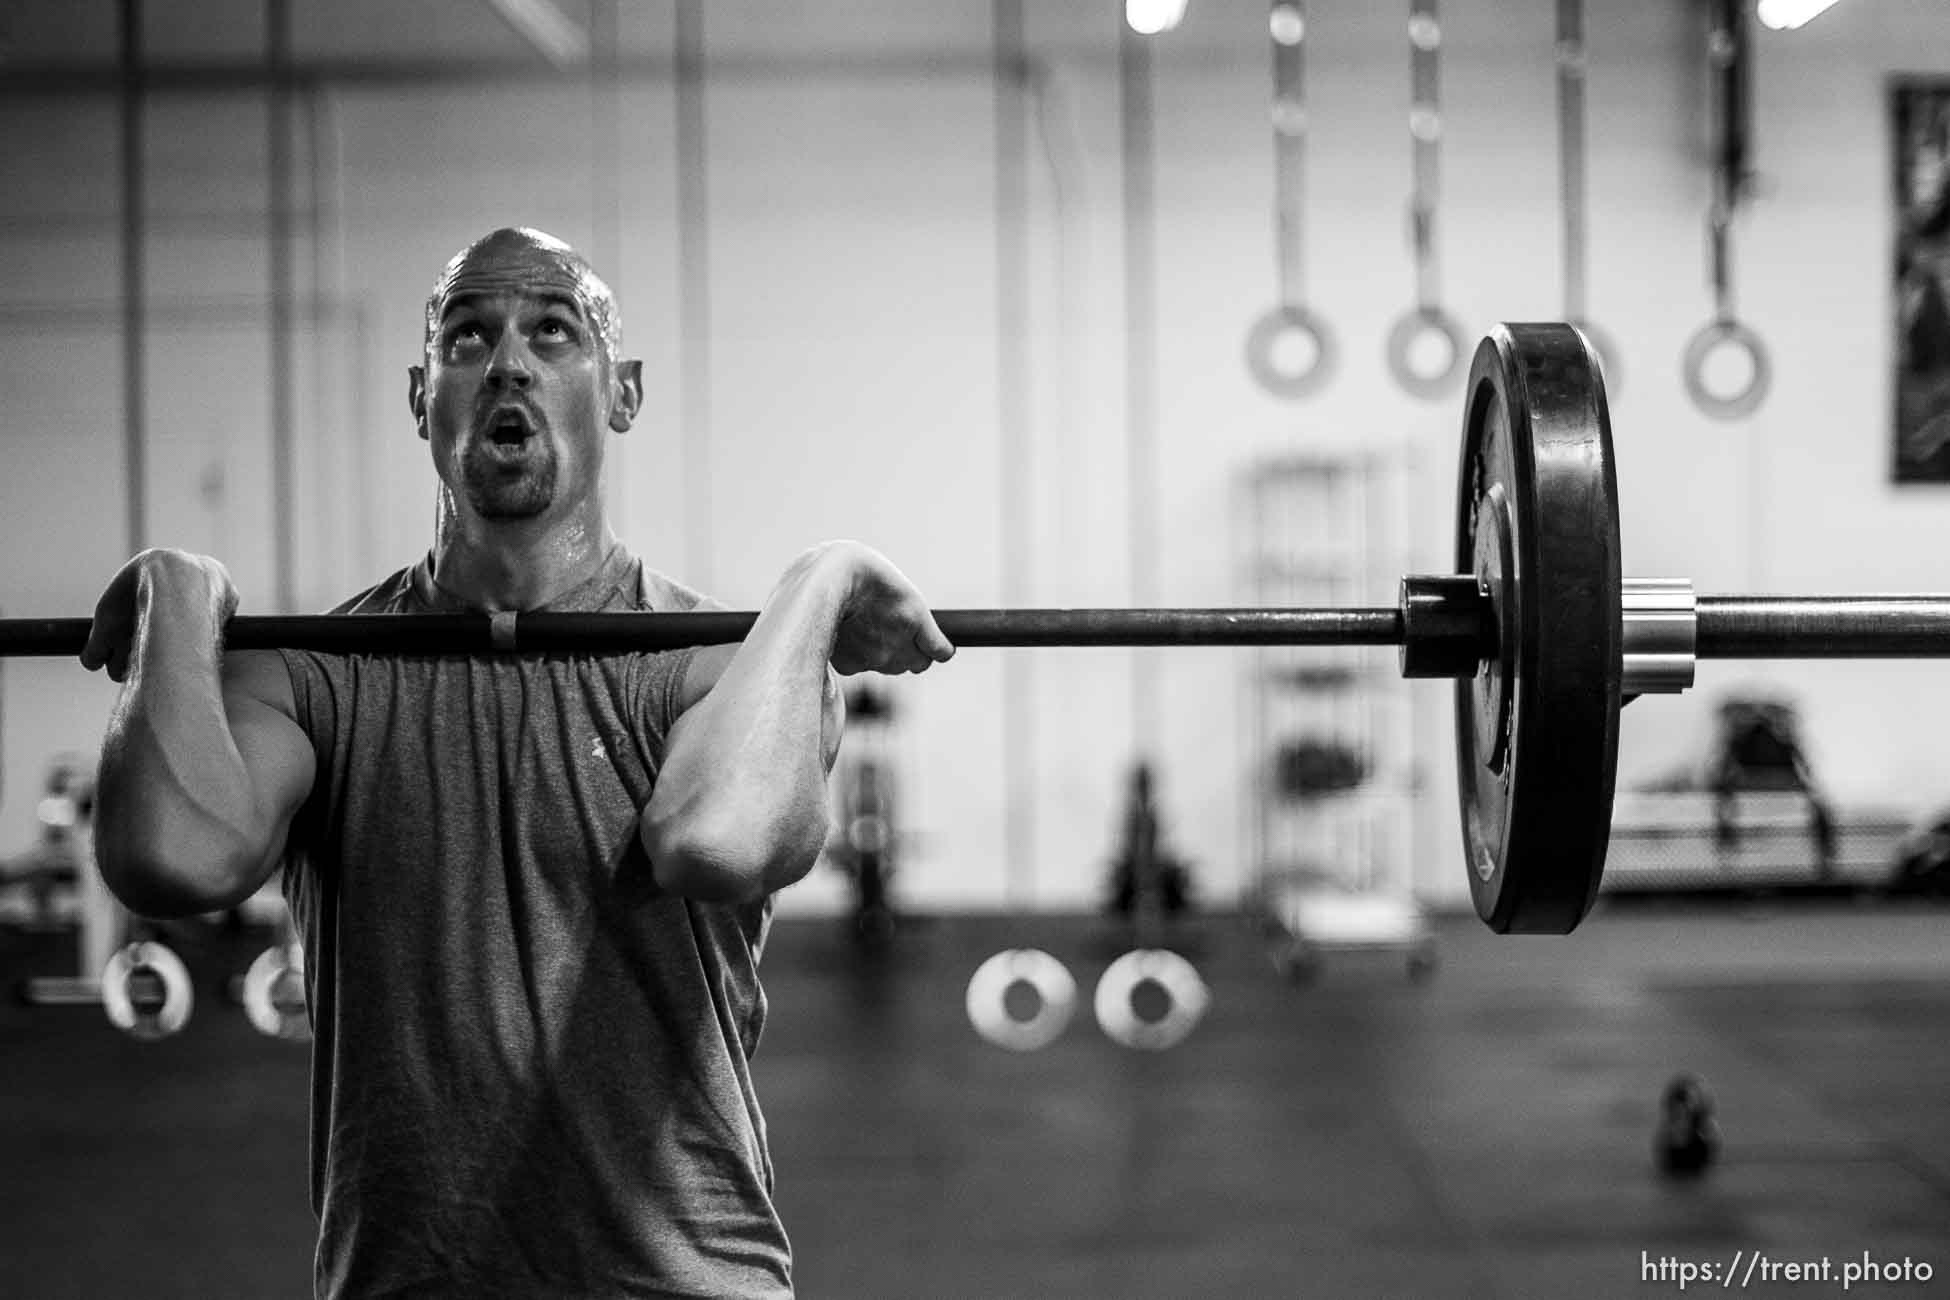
531 273
528 264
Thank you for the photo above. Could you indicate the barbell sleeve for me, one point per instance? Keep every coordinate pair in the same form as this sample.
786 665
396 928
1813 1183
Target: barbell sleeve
1824 627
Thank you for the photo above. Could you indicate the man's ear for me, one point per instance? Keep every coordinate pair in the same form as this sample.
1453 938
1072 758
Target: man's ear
629 396
416 397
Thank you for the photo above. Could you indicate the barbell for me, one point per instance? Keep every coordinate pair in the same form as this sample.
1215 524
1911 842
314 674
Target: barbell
1543 636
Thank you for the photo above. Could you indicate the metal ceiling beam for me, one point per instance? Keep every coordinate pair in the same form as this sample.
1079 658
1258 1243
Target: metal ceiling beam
29 80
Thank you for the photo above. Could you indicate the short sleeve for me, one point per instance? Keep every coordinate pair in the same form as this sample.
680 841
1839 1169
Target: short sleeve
314 697
315 692
659 696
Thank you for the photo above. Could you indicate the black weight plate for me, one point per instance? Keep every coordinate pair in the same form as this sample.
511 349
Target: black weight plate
1537 727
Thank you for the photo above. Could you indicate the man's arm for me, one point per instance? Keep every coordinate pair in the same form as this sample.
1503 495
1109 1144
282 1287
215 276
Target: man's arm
708 664
204 765
739 809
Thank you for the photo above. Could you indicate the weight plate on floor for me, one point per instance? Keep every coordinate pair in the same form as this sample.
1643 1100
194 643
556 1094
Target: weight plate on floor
1176 981
274 993
1537 727
1038 974
146 991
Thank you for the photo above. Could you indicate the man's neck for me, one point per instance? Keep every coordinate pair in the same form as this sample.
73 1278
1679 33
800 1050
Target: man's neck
518 564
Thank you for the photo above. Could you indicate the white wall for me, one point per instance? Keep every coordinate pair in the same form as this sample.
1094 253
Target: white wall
853 383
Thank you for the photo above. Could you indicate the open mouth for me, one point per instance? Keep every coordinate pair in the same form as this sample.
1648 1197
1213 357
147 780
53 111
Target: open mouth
509 427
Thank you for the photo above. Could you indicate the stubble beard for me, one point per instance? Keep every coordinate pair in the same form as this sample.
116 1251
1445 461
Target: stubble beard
498 489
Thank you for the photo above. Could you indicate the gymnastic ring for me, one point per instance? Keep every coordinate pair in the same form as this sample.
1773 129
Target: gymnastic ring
268 1012
147 1023
1414 325
1264 338
1048 978
1185 992
1710 337
1605 350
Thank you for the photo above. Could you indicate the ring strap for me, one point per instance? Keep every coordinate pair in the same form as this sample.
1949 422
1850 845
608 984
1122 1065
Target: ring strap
1726 54
1425 134
1719 263
1289 29
1570 151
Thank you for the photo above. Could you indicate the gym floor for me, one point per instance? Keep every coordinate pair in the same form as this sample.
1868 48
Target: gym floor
1486 1133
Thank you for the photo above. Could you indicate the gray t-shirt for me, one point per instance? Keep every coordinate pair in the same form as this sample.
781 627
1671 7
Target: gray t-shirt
530 1071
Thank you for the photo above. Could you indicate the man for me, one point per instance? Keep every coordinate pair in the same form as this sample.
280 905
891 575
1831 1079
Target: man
533 890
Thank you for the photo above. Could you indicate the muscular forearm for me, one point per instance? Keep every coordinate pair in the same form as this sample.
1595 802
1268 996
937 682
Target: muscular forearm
175 829
739 807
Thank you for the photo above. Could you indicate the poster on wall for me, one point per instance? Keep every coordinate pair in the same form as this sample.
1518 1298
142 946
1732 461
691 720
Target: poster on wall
1920 129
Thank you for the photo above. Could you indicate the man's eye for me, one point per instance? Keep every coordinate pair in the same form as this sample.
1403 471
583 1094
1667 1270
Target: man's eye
556 329
464 334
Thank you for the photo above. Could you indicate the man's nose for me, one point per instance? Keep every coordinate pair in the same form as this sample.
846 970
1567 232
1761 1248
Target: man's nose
508 366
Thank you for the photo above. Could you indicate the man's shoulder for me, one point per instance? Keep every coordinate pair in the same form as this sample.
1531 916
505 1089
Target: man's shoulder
305 670
409 590
397 593
660 591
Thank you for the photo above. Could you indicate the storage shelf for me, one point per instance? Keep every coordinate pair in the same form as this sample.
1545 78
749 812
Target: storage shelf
1325 529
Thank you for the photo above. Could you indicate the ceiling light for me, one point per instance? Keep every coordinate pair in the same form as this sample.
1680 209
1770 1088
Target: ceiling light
1150 17
1786 15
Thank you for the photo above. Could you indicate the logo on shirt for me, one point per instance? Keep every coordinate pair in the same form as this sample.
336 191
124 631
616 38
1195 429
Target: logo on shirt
596 749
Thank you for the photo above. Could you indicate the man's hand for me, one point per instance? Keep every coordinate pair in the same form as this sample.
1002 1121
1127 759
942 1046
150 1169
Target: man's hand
192 582
884 624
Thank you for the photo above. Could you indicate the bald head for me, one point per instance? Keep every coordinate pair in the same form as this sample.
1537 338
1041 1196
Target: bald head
517 257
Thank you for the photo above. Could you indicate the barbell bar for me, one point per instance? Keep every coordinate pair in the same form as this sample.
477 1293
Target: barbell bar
1544 638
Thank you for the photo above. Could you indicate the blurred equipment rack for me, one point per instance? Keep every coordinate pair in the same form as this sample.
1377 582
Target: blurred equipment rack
1329 772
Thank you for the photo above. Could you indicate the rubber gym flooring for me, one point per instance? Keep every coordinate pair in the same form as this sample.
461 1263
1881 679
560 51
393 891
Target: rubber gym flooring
1486 1133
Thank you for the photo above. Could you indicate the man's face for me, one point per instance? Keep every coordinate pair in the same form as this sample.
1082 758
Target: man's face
519 388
